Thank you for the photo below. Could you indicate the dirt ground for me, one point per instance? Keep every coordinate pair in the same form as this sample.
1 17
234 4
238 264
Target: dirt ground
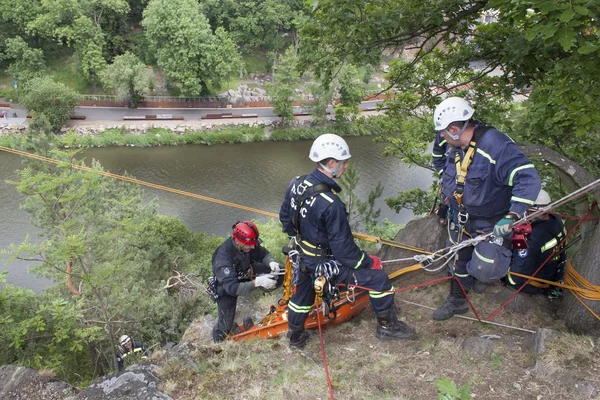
498 362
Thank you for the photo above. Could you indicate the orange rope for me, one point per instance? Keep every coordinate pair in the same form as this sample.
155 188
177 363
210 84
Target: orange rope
140 182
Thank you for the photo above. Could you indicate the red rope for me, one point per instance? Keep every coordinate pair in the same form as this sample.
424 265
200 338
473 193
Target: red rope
323 356
581 220
427 284
564 216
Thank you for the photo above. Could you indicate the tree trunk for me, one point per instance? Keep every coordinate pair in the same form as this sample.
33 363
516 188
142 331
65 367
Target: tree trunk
96 361
585 261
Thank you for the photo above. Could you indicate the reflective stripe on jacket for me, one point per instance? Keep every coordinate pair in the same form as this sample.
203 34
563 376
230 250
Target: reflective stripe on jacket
323 222
545 236
500 178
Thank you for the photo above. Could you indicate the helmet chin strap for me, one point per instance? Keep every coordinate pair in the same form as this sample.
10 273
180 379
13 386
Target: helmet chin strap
334 173
455 137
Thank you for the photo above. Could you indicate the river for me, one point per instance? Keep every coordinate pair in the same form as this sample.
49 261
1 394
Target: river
252 174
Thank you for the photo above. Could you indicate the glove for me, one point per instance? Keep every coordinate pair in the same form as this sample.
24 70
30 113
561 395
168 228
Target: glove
275 267
503 227
442 213
267 281
376 262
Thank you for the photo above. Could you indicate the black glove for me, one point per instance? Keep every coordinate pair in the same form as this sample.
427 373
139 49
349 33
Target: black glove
260 268
442 211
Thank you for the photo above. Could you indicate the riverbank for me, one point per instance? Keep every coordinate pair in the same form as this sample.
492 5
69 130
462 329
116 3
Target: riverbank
207 132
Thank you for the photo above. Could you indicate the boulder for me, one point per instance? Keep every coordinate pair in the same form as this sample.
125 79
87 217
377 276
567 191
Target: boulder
138 382
425 233
22 383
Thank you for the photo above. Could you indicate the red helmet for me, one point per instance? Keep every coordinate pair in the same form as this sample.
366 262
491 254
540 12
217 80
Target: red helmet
246 232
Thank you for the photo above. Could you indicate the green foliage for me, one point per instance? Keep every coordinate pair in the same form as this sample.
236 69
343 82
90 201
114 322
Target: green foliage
351 92
550 49
228 59
322 97
63 68
448 390
282 92
25 63
417 200
52 99
255 23
191 56
273 239
359 212
120 253
218 135
40 331
129 77
362 214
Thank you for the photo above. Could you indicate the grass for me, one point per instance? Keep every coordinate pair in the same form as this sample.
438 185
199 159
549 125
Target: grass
218 135
255 62
65 69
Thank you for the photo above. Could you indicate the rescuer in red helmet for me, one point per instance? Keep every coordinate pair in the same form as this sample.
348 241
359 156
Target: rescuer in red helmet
239 265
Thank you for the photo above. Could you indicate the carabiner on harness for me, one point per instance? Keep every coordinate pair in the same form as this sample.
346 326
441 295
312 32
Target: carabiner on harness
328 269
350 287
462 217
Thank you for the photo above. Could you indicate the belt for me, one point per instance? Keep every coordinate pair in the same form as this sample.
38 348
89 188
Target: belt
310 249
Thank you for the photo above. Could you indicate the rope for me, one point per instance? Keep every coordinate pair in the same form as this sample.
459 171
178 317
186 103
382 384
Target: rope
544 263
391 243
140 182
573 277
323 355
472 319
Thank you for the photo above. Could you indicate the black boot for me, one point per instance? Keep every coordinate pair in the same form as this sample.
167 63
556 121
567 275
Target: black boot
454 304
248 323
298 336
389 327
479 287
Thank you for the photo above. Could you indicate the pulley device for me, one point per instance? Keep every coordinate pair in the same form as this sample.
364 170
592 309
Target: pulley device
325 287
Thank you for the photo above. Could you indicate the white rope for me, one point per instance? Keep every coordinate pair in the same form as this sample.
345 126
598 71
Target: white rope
473 319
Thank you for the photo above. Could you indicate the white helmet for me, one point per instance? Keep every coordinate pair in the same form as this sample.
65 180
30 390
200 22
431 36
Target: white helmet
124 339
329 145
453 109
543 199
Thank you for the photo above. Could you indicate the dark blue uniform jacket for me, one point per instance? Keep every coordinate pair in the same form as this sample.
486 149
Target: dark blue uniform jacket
230 266
323 222
499 179
545 236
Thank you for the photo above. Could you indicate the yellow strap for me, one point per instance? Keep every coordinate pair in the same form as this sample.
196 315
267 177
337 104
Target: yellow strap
462 167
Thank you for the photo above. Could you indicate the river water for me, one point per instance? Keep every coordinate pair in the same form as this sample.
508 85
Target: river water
252 174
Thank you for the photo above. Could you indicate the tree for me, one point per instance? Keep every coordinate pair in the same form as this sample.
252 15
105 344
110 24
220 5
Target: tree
283 91
321 98
52 99
228 58
116 252
351 92
78 23
129 77
26 62
546 50
184 45
267 24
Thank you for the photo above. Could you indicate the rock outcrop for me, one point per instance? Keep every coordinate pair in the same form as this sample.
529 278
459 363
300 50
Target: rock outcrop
22 383
138 382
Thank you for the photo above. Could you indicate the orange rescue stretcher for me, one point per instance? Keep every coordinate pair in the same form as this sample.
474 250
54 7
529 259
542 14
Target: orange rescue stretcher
275 323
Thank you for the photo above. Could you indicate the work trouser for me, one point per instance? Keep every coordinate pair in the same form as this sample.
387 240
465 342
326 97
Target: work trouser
226 314
473 228
302 301
554 270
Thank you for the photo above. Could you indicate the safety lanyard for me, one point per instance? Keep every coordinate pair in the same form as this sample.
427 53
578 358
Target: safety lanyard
462 167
